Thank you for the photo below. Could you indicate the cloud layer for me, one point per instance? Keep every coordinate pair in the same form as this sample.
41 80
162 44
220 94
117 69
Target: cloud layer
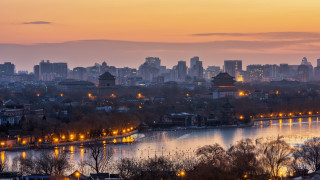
267 48
37 22
266 35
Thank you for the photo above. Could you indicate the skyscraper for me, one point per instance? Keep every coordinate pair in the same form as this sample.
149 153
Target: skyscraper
7 69
48 71
305 70
284 71
182 70
36 71
233 67
196 69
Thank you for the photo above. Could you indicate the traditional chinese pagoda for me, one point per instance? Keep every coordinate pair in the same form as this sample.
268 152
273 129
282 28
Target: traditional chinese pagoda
223 86
107 80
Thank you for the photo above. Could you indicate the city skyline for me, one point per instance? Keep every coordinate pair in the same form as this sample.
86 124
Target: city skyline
125 32
132 54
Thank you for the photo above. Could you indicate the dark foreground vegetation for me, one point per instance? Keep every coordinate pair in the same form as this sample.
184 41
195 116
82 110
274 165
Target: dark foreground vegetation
246 159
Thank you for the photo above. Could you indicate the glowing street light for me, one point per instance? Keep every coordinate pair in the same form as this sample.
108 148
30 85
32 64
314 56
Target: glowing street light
182 173
241 117
71 137
241 93
77 174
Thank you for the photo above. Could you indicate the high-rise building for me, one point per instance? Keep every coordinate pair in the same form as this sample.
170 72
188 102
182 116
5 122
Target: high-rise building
196 69
182 70
270 72
255 72
233 68
317 73
79 73
211 72
48 71
284 71
305 71
7 69
104 67
153 61
194 60
60 70
318 62
150 69
36 71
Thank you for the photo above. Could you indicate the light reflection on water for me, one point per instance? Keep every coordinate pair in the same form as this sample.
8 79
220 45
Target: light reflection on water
185 142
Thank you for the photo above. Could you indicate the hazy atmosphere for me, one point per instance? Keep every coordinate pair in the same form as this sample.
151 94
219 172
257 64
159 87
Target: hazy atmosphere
264 31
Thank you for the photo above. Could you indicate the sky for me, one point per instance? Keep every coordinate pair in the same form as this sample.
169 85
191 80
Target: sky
258 32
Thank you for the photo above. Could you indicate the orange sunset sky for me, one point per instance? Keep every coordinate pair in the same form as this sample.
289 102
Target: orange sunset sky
292 26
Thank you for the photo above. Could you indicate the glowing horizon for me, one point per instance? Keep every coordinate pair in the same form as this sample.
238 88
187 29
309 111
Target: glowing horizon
150 21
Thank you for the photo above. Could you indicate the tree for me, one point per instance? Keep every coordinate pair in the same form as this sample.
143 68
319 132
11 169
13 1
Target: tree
309 154
24 164
99 157
244 160
213 154
129 168
52 164
276 155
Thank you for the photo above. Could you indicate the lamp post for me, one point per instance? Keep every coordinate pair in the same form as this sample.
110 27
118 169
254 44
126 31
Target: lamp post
77 175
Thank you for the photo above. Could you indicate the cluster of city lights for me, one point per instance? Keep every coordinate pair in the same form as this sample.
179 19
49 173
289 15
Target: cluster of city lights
277 115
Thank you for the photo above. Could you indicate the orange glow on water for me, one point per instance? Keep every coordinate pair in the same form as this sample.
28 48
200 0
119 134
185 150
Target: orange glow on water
24 155
3 156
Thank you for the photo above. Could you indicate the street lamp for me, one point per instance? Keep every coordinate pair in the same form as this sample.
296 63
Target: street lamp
77 174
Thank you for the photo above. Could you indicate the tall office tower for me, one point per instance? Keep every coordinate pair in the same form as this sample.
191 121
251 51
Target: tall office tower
103 67
36 71
284 71
318 62
305 70
7 69
45 70
255 72
211 72
80 73
48 71
60 70
150 69
194 60
317 73
182 70
270 72
153 61
196 69
233 67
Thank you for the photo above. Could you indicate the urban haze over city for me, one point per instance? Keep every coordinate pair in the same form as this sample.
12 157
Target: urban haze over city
159 90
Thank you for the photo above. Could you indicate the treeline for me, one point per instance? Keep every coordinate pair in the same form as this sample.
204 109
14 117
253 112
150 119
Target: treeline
246 159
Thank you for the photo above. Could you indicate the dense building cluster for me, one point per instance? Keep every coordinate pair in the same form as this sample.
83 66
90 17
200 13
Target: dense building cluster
153 72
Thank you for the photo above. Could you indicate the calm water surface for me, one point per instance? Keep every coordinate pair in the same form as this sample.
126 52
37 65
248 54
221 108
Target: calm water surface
185 142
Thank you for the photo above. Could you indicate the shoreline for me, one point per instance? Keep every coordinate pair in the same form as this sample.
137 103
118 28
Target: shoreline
79 143
76 143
